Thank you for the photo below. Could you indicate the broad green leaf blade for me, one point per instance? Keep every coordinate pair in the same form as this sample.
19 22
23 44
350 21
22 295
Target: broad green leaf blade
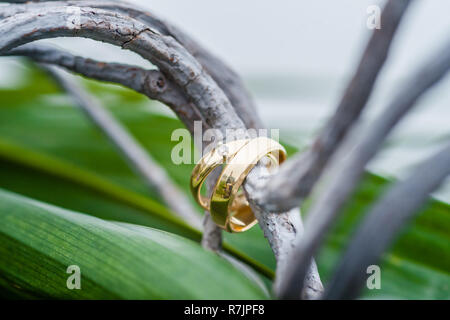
39 242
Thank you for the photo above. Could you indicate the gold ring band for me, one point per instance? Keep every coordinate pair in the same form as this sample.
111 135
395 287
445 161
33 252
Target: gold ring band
213 159
228 205
229 208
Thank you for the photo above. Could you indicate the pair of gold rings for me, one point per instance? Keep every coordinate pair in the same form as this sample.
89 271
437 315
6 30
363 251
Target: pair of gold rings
228 205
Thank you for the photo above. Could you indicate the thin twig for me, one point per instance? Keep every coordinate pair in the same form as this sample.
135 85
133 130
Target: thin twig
137 157
299 175
346 171
151 83
212 234
384 222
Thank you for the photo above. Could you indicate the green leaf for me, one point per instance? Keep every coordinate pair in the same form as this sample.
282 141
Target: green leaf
40 241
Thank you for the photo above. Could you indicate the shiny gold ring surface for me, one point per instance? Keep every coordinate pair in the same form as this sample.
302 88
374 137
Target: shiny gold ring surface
228 206
221 154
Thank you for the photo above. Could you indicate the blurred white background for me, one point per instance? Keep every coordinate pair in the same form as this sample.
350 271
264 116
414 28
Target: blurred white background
296 57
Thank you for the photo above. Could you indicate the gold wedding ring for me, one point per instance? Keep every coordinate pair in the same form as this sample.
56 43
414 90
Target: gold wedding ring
228 205
213 159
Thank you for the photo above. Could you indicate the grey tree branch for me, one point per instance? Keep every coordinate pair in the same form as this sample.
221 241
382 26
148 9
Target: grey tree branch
299 175
138 158
151 83
228 80
169 56
212 234
344 173
384 222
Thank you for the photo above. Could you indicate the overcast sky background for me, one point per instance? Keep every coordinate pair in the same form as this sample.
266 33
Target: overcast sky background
312 36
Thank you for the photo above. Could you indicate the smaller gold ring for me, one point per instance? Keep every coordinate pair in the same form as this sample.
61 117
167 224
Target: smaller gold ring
222 153
229 208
